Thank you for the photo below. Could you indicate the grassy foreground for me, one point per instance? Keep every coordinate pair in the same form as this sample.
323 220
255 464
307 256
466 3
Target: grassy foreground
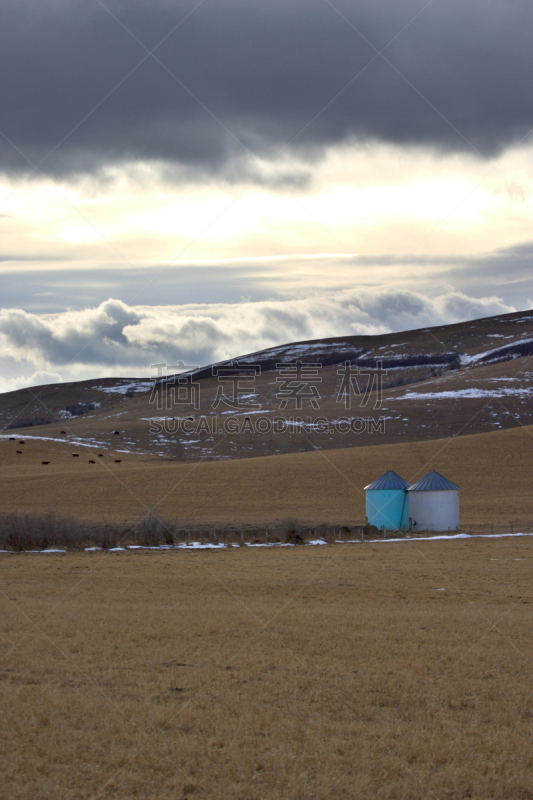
390 670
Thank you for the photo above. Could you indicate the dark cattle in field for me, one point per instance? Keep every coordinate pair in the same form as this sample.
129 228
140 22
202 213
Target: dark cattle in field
11 438
91 462
22 443
64 433
117 433
19 452
75 455
45 462
100 455
118 460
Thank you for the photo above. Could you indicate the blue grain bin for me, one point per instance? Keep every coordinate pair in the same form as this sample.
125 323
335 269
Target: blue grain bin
387 502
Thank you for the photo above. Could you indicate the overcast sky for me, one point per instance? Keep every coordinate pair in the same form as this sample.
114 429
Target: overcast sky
196 180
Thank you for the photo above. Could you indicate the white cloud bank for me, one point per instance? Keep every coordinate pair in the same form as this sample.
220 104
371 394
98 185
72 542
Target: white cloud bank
119 340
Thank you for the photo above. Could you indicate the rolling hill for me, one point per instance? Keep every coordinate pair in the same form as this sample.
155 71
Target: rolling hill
468 378
456 398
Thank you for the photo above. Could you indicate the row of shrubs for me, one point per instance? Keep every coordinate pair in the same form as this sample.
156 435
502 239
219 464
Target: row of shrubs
20 531
28 422
327 358
76 410
509 351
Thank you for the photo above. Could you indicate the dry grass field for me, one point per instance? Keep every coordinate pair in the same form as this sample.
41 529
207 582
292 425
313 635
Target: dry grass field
494 471
391 670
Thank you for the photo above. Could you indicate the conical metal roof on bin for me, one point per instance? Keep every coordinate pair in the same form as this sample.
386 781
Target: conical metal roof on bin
433 482
389 480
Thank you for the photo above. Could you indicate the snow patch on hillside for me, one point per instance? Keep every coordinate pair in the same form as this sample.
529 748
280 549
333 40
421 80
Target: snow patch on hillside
504 391
136 386
65 440
466 360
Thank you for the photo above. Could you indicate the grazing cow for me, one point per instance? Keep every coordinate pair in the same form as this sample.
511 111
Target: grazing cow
21 442
118 460
64 433
91 462
117 433
19 452
100 455
75 455
11 438
45 462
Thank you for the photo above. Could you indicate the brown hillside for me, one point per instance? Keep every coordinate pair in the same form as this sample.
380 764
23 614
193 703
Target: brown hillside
425 396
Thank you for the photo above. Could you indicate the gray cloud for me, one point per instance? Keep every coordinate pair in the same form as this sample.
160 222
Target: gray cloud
511 266
264 71
71 337
505 272
115 338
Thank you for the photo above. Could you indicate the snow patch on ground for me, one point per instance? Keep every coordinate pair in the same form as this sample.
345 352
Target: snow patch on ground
465 360
312 543
245 412
137 386
525 391
65 440
508 380
295 351
451 536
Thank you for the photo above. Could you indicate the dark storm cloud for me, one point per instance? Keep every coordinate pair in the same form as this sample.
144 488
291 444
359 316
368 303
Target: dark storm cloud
255 76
